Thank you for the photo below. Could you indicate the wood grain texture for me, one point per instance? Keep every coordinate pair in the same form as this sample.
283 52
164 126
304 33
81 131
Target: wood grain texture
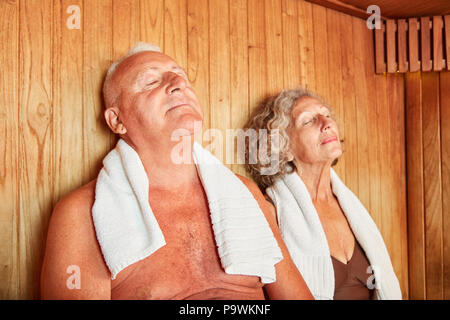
151 15
97 56
198 54
219 71
239 73
35 154
447 40
414 159
306 41
335 78
321 85
380 64
413 44
432 185
425 44
438 62
362 108
444 90
402 47
349 101
391 48
9 166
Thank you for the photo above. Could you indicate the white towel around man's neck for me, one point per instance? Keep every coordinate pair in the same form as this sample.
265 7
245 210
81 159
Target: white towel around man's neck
128 231
305 238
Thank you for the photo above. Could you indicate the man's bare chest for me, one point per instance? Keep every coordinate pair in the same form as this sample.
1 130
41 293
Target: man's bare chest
188 264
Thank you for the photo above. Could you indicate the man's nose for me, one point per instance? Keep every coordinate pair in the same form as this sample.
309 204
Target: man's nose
326 123
176 82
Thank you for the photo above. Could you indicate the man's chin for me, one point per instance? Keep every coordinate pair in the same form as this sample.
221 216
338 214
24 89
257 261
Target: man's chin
187 125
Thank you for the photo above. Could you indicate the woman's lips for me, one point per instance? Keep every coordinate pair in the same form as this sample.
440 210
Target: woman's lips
328 140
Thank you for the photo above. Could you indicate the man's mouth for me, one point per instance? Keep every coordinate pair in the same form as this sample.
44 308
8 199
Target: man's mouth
330 139
183 104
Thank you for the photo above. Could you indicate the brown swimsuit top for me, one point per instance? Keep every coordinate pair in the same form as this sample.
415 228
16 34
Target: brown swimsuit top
351 278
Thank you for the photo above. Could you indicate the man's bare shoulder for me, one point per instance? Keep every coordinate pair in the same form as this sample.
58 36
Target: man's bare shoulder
265 205
71 241
79 200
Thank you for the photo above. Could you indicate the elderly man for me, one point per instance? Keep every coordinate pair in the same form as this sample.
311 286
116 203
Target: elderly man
170 249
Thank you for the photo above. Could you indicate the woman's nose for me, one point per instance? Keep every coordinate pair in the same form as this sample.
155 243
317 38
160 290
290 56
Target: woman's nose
176 82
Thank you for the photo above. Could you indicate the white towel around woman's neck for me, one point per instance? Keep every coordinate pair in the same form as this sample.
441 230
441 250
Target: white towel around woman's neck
305 238
128 231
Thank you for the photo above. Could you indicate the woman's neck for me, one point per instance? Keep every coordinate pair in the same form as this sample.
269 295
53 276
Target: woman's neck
317 179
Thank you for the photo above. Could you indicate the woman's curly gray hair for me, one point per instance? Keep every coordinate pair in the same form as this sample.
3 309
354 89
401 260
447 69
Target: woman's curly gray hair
273 115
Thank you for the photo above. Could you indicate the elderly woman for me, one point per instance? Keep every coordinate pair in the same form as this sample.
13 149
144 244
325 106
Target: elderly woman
331 237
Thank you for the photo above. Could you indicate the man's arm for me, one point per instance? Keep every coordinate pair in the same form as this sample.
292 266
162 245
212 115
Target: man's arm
73 266
289 284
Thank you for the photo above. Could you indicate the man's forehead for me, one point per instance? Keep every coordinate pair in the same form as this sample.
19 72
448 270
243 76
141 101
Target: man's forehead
148 60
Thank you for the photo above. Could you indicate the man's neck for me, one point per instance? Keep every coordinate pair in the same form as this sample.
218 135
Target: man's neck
165 167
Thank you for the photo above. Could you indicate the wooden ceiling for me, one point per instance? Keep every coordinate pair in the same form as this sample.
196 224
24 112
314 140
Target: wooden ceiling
390 9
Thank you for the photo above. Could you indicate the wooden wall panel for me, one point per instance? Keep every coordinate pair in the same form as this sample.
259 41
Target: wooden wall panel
238 69
427 103
35 154
236 53
9 166
416 215
444 90
97 55
198 53
432 184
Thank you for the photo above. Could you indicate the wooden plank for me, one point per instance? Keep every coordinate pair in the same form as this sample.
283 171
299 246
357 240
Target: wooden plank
257 72
444 82
413 37
382 121
97 54
372 129
432 185
362 122
447 40
320 50
398 223
152 21
126 26
415 187
391 29
274 42
9 167
219 72
34 142
425 38
438 63
198 54
291 46
335 95
306 41
175 31
380 50
68 160
349 103
239 69
343 7
402 47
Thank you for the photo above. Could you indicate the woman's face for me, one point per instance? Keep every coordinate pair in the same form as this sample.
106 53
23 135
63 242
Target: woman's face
313 133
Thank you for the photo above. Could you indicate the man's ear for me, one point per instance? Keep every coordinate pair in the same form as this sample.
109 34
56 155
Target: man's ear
113 121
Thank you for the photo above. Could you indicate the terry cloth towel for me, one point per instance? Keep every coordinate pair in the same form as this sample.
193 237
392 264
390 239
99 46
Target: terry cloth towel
128 231
305 238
